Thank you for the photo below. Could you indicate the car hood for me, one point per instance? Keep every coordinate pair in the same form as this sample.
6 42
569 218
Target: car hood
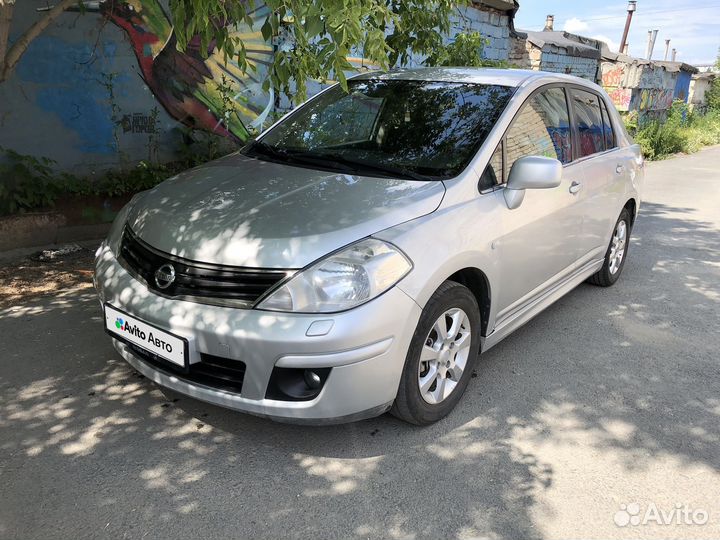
242 211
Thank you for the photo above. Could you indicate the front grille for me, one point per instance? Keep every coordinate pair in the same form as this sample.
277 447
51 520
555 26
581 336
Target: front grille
212 371
210 283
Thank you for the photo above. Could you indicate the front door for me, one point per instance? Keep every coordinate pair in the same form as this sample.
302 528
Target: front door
541 238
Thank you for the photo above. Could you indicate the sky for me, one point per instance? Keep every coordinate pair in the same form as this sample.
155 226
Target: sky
693 27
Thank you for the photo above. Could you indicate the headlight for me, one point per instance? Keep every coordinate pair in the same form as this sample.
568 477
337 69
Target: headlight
115 235
346 279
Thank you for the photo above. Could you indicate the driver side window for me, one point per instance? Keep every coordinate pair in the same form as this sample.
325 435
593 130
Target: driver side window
542 128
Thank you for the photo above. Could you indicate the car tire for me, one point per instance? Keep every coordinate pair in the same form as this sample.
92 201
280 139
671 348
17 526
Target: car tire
620 240
452 357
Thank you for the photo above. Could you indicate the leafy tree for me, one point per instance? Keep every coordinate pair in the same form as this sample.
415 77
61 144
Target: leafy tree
322 34
712 96
10 54
465 50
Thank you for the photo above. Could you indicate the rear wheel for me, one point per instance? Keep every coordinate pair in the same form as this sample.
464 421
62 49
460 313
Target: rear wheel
441 357
616 253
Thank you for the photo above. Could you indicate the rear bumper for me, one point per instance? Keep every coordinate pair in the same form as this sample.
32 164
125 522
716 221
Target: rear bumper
365 347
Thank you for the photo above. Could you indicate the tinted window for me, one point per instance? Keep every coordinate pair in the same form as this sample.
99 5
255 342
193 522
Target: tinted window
607 128
493 173
414 127
541 129
589 122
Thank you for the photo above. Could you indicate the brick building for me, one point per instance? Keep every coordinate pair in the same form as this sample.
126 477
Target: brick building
557 52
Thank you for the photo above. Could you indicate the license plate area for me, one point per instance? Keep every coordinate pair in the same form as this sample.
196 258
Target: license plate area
158 344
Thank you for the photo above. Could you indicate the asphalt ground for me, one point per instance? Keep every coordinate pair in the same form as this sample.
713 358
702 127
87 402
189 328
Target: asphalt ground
598 419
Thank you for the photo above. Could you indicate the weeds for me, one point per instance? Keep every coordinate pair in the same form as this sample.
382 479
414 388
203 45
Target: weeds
683 131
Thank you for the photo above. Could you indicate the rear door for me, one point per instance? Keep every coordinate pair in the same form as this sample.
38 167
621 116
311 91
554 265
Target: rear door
604 172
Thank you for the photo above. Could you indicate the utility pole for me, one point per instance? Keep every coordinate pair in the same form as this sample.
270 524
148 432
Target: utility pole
667 49
632 6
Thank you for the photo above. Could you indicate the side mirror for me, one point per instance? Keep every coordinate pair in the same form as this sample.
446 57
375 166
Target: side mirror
531 172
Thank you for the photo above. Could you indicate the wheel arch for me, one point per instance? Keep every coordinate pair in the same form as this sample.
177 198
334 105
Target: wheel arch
477 281
631 207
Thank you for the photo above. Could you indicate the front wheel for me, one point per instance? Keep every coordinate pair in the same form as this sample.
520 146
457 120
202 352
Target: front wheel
616 253
441 357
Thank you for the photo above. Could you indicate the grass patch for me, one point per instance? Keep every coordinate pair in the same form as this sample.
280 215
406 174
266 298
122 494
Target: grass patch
683 131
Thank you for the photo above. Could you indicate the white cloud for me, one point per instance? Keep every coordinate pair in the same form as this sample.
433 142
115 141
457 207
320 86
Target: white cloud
575 25
610 42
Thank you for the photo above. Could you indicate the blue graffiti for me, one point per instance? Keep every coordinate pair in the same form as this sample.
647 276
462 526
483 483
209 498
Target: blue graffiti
80 101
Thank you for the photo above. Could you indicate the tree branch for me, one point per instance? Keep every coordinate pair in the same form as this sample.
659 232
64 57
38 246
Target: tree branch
13 55
6 14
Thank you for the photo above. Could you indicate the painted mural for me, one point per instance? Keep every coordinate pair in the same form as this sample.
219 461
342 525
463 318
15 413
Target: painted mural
652 99
621 97
200 91
640 87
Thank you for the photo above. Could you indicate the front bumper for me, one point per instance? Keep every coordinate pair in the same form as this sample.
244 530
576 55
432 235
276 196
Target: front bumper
365 347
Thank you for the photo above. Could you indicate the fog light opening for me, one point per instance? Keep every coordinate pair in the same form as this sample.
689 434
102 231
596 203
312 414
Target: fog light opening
296 384
312 379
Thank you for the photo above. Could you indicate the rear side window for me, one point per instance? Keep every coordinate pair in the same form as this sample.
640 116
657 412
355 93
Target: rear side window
589 122
542 128
607 128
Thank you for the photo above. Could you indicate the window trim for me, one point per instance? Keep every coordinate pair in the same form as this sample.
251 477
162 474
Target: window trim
606 114
502 167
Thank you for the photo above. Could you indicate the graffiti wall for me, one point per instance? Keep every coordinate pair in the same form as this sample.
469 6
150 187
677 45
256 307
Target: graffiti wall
109 84
621 97
640 86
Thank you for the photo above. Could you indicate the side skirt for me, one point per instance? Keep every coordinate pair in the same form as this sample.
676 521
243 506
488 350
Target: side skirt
552 295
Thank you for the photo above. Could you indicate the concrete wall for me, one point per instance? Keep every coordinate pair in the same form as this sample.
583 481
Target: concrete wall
699 85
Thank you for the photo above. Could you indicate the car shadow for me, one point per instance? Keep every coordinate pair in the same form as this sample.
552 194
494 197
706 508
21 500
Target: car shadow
624 375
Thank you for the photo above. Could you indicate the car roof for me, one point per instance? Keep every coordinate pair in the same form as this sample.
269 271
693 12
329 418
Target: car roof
501 77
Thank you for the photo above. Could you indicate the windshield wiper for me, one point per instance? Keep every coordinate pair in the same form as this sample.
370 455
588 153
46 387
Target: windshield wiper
259 147
387 170
332 160
289 156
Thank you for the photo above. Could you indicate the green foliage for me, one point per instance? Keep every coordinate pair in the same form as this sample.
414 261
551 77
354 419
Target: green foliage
712 95
465 50
682 131
322 33
28 182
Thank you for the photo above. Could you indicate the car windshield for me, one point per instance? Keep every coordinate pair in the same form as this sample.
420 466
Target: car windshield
409 129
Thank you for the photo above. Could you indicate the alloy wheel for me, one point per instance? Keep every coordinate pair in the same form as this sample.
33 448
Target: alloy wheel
444 355
617 246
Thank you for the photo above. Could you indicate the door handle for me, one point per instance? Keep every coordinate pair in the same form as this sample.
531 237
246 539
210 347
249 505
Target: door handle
575 187
620 169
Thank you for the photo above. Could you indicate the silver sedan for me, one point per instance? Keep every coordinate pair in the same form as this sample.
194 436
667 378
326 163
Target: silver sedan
358 255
